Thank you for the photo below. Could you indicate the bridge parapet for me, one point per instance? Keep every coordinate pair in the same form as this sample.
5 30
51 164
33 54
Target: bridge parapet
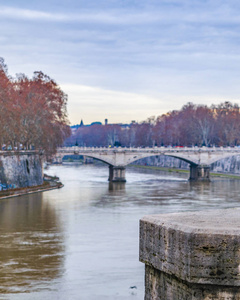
192 155
152 149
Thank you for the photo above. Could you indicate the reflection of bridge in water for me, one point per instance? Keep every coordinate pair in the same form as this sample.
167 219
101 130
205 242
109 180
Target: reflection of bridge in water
199 159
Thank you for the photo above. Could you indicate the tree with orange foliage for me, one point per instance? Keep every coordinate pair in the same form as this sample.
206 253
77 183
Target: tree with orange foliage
33 112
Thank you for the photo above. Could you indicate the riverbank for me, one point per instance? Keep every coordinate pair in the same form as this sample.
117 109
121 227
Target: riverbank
50 183
176 170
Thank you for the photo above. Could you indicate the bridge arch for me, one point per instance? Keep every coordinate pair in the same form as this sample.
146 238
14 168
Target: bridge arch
130 158
98 158
199 159
135 158
222 156
105 160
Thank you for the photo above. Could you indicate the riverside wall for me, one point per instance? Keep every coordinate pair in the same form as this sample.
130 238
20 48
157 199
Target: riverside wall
227 165
20 169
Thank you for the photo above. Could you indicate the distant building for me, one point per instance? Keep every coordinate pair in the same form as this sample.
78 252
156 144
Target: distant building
95 123
74 128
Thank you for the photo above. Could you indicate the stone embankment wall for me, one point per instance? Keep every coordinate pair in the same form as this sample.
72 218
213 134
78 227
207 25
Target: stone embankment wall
20 169
227 165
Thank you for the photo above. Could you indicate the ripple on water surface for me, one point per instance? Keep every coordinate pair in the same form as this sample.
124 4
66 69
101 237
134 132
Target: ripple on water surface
81 241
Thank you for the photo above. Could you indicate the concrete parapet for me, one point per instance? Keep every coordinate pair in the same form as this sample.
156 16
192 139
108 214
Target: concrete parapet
191 255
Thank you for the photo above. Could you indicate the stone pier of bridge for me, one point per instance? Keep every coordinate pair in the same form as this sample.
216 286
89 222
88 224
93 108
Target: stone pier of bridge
117 174
199 173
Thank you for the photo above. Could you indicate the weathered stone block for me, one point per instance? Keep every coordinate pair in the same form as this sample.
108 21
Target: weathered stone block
199 249
162 286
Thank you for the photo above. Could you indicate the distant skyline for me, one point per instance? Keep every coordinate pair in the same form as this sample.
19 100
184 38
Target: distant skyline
129 59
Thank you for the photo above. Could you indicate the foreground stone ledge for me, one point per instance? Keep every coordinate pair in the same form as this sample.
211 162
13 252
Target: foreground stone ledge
193 255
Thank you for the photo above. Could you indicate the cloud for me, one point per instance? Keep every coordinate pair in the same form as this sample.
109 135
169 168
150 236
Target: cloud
174 13
121 17
156 54
26 14
93 104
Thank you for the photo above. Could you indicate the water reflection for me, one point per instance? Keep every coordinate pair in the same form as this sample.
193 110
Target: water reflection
116 186
31 245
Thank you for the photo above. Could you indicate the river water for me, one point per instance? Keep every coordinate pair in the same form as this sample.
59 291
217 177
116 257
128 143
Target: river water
81 241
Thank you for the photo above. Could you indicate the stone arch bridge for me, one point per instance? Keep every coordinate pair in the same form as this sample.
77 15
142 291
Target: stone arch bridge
199 159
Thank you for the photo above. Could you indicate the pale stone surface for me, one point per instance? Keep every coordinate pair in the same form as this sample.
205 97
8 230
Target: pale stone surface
121 157
197 247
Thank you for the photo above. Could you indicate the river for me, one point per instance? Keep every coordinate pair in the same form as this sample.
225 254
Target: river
80 242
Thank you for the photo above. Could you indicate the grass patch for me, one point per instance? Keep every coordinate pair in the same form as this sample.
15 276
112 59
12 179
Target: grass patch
233 176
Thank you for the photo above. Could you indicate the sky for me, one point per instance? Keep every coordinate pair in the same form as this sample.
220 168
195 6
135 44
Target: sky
125 60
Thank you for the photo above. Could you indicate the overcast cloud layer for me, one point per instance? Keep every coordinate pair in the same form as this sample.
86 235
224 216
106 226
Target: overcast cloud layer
126 60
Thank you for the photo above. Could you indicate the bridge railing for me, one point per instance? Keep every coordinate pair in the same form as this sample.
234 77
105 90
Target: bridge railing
150 149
